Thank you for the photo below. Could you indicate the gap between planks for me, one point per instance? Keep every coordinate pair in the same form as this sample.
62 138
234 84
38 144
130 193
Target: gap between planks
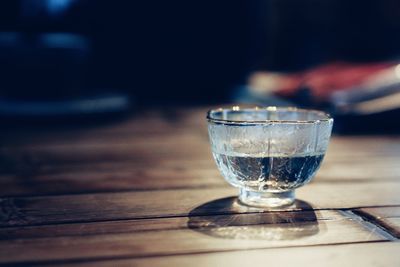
166 203
189 240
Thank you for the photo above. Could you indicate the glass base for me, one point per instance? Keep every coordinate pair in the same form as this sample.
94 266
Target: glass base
266 199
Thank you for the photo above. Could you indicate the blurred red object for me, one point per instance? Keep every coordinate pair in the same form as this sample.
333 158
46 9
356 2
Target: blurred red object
322 81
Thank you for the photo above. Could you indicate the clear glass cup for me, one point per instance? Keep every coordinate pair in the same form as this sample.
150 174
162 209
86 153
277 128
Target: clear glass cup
268 152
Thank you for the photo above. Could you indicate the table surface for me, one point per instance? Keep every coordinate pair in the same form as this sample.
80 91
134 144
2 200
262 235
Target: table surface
145 191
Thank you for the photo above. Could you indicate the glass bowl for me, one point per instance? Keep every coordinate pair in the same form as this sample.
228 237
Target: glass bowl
268 152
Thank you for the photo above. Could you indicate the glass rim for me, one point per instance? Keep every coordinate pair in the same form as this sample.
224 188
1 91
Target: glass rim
325 116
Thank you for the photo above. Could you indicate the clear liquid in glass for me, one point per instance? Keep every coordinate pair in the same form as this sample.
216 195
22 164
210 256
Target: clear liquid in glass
275 173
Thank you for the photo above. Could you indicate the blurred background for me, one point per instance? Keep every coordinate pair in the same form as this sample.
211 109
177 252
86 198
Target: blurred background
73 58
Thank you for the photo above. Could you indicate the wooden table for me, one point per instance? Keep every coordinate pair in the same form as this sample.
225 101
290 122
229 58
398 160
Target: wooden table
145 192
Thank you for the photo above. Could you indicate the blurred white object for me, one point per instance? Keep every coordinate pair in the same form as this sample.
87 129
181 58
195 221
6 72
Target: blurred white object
380 92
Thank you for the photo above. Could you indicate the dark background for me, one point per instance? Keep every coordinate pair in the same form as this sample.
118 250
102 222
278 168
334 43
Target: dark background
181 52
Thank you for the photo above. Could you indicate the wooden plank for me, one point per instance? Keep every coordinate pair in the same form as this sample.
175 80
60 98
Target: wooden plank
84 145
329 168
147 204
387 217
178 144
172 174
163 131
348 255
140 150
360 170
199 235
110 180
86 168
143 123
60 160
128 226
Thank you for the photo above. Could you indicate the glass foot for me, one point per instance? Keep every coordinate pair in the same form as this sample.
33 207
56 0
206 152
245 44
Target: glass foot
266 199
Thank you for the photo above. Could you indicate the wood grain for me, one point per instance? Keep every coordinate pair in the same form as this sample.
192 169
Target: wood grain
135 225
65 170
366 255
181 145
110 179
143 152
44 179
145 191
197 235
148 204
